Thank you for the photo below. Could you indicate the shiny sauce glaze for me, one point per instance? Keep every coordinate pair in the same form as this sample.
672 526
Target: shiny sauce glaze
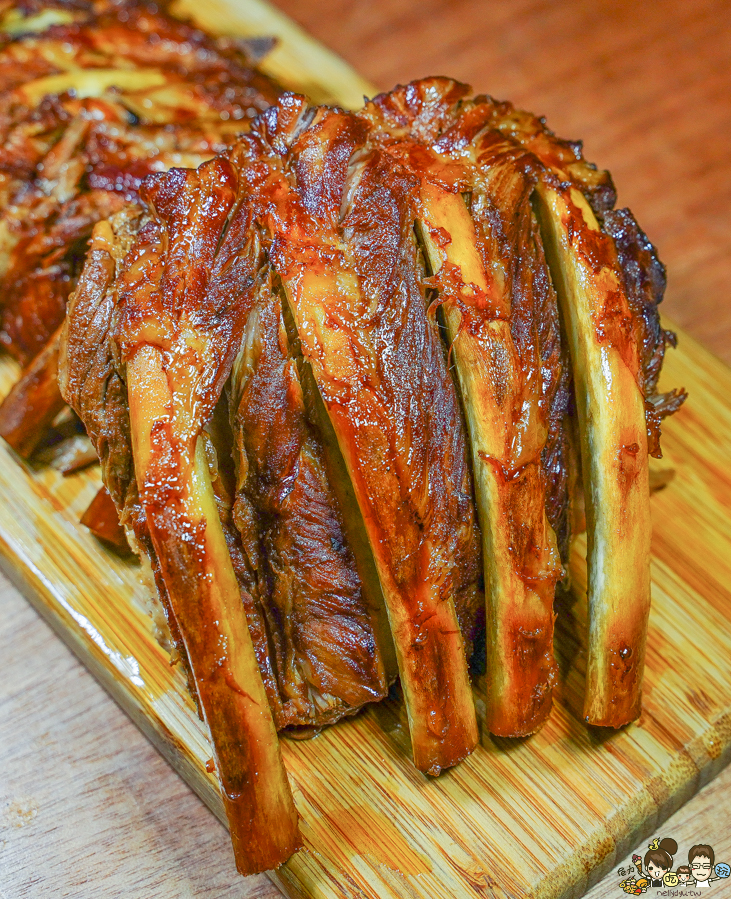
488 279
342 242
321 637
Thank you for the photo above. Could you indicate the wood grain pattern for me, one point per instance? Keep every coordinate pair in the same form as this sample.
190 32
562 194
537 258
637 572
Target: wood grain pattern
641 773
94 817
88 807
563 805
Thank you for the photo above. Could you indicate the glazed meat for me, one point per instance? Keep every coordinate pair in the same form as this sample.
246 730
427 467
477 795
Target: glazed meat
93 98
507 217
178 307
500 314
341 241
327 641
348 383
86 109
34 400
608 283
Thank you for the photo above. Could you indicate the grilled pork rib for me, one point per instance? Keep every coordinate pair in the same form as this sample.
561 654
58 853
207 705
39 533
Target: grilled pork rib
339 379
93 98
177 318
341 241
490 182
323 643
500 316
608 284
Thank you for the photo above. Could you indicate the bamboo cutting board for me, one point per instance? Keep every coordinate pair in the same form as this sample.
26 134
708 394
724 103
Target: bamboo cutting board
543 817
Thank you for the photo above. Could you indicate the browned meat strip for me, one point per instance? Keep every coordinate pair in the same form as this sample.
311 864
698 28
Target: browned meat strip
501 320
644 281
321 630
35 400
342 243
88 371
172 388
102 519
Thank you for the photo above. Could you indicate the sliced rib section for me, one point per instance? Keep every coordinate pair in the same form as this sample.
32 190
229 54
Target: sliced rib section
614 448
480 238
341 233
28 410
324 632
179 311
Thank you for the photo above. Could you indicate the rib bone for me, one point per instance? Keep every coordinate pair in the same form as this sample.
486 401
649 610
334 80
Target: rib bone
614 449
181 318
501 408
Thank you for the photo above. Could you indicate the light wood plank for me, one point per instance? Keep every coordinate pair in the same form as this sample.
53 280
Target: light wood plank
298 62
565 801
541 817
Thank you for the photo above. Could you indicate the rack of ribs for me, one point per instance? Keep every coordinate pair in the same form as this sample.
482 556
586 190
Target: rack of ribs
351 383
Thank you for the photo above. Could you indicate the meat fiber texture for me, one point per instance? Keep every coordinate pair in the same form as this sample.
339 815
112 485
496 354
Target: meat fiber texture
372 488
94 97
310 625
351 383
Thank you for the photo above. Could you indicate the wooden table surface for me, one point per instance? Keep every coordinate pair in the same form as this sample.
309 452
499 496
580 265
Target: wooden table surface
87 806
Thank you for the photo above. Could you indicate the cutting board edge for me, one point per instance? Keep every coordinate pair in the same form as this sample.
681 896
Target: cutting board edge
26 581
643 827
631 827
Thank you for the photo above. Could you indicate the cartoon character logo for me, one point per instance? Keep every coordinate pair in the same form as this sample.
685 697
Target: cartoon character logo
701 859
659 860
655 870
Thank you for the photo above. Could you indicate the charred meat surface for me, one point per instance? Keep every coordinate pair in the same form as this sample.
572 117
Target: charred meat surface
179 310
501 320
342 242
